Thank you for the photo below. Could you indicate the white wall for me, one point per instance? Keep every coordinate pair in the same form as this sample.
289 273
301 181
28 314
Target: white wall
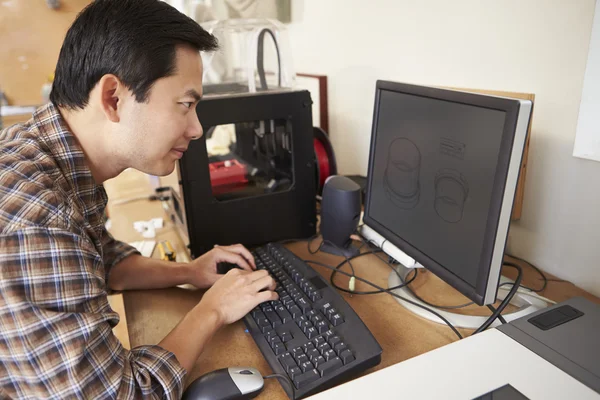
535 46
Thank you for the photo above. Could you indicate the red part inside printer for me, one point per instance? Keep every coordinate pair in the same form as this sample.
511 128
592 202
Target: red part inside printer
227 175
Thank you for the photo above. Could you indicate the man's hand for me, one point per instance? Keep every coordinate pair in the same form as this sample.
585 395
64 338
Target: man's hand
203 270
237 293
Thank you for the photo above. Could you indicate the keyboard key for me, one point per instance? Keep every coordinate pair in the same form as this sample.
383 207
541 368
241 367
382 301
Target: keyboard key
297 351
318 341
283 314
263 321
306 378
315 296
322 326
333 340
346 356
311 332
329 354
305 366
305 325
272 316
308 347
336 320
266 328
257 313
325 307
329 366
318 361
323 347
269 335
279 348
288 362
266 307
295 311
312 354
339 347
302 358
328 334
330 312
303 304
293 372
286 337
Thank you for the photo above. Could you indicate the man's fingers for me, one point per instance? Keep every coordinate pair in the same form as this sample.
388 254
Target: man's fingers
244 252
266 282
256 275
234 258
267 295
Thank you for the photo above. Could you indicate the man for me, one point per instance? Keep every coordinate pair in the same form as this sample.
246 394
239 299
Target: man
127 82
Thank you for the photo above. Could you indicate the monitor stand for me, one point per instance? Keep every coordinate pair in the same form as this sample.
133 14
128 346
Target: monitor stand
527 304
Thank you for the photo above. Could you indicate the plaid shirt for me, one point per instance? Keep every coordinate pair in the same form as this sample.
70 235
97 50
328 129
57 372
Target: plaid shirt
56 338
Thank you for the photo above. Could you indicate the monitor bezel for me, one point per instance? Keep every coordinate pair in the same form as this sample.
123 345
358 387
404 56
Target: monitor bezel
511 108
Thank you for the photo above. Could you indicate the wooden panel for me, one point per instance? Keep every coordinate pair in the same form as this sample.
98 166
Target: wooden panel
31 35
520 193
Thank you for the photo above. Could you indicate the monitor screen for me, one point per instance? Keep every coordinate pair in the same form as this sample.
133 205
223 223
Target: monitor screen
437 175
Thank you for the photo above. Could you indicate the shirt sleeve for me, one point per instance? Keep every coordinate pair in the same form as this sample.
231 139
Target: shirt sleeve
56 338
114 251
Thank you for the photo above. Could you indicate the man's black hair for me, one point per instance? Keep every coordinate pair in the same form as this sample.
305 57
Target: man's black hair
133 39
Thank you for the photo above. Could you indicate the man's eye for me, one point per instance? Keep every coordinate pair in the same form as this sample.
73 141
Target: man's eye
187 104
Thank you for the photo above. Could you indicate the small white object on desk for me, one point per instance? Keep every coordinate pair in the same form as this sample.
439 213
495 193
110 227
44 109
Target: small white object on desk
148 228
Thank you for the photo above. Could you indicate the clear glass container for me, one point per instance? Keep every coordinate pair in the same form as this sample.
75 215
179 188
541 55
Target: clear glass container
254 56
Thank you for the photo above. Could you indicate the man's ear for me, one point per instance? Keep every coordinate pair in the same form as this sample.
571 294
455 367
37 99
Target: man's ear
112 92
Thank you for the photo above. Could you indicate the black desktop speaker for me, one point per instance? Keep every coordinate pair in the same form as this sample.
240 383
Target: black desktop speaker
340 213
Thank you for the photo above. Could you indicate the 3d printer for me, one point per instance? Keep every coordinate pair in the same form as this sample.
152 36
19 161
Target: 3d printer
252 178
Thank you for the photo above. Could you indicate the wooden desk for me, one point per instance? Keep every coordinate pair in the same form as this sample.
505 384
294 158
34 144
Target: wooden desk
151 314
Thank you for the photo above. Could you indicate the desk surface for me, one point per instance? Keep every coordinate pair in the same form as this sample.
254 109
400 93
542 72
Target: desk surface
151 314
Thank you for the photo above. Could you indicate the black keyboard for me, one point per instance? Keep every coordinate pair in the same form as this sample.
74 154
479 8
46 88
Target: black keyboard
310 334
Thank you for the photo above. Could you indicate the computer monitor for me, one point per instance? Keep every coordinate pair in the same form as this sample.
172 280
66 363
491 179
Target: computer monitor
442 176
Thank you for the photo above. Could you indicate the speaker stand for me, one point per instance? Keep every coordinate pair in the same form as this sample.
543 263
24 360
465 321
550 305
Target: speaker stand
347 251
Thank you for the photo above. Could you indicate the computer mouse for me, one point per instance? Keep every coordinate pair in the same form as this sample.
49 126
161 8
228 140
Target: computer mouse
224 267
231 383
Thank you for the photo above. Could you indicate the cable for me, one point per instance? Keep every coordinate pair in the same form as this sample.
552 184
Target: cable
456 307
337 267
536 269
504 303
310 242
260 58
528 292
391 293
406 284
539 271
286 379
493 310
341 250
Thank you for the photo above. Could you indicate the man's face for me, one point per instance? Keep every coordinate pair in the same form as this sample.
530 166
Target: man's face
159 131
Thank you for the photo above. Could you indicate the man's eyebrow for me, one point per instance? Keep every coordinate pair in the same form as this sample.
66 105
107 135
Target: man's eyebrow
194 94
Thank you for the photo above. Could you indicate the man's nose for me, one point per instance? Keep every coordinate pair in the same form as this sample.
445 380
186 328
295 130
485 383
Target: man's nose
195 128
